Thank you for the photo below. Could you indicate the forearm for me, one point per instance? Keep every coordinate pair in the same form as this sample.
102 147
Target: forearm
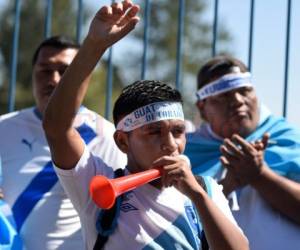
64 141
220 232
280 192
110 24
69 94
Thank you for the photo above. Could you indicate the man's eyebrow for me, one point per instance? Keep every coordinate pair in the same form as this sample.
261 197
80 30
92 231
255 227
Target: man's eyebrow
181 126
46 64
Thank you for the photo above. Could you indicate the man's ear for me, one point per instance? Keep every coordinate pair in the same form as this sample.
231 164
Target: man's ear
201 107
121 139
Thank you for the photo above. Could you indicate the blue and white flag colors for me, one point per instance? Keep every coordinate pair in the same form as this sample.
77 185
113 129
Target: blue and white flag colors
9 238
224 84
150 113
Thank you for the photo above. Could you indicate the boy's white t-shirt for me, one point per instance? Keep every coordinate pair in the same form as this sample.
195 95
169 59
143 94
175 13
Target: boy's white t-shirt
149 218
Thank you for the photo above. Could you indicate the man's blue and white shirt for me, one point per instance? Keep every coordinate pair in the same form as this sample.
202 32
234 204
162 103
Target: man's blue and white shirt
45 217
264 226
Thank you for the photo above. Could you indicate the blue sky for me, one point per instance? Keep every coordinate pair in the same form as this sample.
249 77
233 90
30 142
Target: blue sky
268 47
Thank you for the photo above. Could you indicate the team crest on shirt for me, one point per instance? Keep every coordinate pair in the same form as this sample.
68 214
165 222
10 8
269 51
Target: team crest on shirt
192 217
126 206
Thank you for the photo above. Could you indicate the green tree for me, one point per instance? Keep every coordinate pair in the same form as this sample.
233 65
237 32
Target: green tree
197 44
161 54
31 34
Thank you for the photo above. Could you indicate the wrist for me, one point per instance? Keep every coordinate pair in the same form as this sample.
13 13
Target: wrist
197 194
94 45
264 170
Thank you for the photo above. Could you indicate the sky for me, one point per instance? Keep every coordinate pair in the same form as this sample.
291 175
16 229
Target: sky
268 60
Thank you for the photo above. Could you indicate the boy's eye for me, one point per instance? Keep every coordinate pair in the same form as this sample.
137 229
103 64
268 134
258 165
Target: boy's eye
178 131
154 131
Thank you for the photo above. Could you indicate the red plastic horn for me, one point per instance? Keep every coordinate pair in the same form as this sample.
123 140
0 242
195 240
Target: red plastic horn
104 191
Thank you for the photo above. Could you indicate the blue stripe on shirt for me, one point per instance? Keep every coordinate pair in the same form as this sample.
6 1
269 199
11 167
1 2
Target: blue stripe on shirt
41 184
178 236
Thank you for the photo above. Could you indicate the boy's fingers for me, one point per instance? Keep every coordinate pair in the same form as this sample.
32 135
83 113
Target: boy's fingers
126 5
117 8
133 11
104 11
128 27
161 161
169 176
130 15
168 160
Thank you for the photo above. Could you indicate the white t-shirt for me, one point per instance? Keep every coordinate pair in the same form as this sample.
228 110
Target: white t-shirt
265 227
52 222
149 218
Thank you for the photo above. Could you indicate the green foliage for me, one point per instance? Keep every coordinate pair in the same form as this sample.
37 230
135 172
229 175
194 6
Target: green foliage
162 48
96 95
31 34
127 62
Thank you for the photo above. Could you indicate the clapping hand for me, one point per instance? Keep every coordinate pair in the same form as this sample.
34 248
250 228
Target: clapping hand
243 160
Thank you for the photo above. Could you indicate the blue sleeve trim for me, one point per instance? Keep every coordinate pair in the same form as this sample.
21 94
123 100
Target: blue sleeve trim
207 181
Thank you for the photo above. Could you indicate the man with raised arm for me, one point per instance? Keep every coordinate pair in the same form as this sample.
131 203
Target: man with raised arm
174 212
44 216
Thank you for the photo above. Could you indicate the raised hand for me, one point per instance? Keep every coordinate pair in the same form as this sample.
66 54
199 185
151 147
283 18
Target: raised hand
244 160
111 23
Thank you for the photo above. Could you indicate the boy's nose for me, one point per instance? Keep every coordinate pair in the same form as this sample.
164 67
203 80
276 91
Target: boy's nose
169 144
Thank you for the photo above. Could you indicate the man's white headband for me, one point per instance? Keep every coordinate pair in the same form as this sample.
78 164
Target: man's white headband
225 83
150 113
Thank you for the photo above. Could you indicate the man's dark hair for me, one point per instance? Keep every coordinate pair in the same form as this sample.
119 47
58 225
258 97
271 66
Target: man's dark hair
217 67
59 42
141 93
